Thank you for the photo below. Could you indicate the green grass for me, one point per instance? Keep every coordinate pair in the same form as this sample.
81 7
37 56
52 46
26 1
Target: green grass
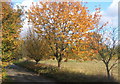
71 71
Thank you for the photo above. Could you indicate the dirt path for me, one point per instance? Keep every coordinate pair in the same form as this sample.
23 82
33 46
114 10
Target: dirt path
19 74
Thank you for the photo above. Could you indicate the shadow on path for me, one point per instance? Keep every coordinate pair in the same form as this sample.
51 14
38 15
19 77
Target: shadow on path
19 74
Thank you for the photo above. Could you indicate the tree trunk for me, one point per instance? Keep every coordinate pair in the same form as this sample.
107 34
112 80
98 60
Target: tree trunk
59 65
36 61
108 71
59 59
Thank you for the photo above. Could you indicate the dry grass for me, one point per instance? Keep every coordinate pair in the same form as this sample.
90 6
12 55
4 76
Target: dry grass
87 67
71 71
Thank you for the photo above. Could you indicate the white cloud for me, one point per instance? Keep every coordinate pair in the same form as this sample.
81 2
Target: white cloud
27 4
113 8
26 26
111 14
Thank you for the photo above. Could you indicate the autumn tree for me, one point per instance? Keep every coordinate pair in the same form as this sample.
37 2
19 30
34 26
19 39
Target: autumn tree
0 44
36 46
104 44
18 54
62 24
11 24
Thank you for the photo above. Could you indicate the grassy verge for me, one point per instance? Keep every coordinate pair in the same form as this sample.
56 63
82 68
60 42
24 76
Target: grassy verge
4 76
61 75
86 67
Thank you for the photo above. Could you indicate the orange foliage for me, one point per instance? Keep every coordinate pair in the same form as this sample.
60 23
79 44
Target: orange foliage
64 23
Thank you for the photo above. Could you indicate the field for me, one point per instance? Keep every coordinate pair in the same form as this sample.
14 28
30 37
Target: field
74 71
87 67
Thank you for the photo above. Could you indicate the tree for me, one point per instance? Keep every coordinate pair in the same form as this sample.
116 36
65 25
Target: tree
104 43
118 49
18 54
62 24
11 24
35 46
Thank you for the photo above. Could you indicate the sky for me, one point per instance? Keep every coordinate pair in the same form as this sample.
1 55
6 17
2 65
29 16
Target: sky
109 10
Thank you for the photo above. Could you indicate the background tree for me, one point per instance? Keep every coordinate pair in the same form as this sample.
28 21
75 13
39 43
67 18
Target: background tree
11 24
36 46
62 24
10 27
104 43
118 49
19 52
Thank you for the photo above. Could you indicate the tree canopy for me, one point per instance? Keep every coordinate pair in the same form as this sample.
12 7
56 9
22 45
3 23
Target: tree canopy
11 24
63 24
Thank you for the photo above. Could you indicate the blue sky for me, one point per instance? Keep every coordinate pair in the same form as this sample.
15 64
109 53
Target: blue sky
91 5
103 5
